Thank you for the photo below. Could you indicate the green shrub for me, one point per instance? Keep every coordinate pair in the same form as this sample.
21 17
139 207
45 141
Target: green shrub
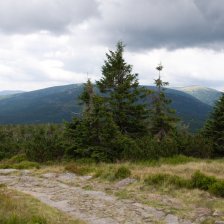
17 158
26 165
148 149
198 180
122 172
166 179
201 181
77 169
217 188
194 145
44 144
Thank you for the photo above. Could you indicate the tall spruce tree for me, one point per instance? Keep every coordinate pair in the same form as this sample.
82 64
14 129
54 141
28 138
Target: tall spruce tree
95 134
214 128
163 118
123 96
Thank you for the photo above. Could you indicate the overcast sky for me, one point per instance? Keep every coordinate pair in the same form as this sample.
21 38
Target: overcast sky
56 42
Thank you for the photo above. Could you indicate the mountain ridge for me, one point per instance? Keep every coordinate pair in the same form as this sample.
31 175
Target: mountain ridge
204 94
60 103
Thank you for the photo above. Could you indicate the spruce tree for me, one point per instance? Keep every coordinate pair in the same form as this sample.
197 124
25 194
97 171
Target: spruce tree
214 128
163 119
123 96
95 134
87 97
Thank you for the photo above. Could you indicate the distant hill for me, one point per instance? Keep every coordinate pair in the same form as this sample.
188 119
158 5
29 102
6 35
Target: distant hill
204 94
7 93
10 92
60 103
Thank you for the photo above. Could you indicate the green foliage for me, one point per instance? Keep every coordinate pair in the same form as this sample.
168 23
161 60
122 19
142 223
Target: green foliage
87 97
201 181
77 169
34 142
18 162
214 128
166 179
122 173
44 144
26 165
122 94
193 145
217 188
93 136
9 141
96 135
162 117
111 173
198 180
151 148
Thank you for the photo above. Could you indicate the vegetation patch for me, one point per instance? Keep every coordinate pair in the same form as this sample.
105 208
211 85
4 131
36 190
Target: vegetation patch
26 165
18 208
77 169
122 172
198 180
201 181
18 162
166 179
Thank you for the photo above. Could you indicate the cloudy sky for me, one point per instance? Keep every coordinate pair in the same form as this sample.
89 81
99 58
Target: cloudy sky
56 42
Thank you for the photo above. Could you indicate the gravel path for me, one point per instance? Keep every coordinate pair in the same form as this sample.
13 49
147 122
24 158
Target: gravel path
94 207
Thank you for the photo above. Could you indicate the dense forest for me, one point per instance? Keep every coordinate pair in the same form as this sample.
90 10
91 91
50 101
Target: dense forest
121 121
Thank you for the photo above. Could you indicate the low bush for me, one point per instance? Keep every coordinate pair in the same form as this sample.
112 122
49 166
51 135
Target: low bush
17 158
26 165
198 180
194 145
122 172
166 179
45 143
201 181
217 188
77 169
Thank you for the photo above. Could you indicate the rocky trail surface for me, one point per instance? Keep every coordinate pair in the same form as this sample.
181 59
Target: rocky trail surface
91 206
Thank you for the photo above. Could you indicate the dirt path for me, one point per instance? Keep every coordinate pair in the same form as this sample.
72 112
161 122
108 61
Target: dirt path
94 207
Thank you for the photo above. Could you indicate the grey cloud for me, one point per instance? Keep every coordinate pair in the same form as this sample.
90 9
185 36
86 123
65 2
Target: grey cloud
141 24
160 23
52 15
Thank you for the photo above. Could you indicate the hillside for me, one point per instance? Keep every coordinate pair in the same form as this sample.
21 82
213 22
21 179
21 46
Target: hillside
204 94
60 103
8 93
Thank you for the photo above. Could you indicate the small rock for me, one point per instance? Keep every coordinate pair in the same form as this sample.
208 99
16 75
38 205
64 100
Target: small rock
25 172
219 222
217 213
49 175
124 182
7 171
171 219
66 176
